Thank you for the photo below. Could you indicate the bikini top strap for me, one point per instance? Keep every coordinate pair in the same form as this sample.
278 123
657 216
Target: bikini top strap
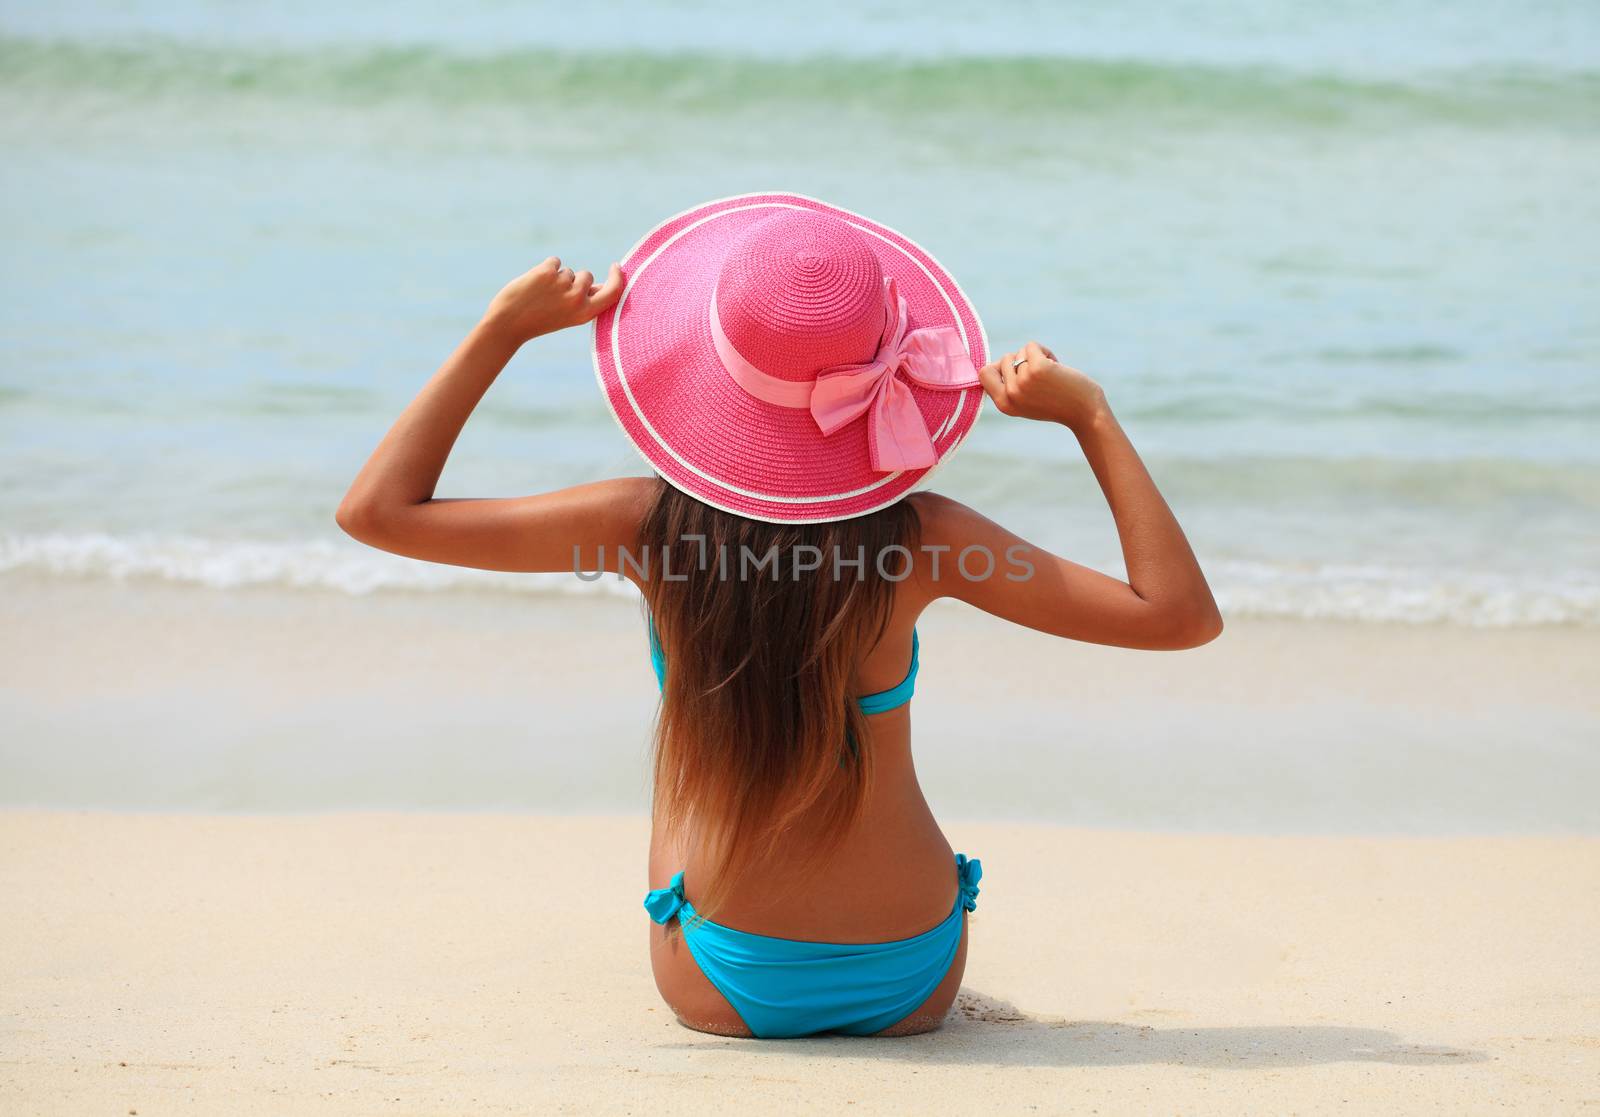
897 695
901 692
658 658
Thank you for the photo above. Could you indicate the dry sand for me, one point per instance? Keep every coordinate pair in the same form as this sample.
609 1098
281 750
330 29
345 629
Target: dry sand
446 964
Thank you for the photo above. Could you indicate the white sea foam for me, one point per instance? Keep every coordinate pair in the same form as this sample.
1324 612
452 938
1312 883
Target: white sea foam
1400 595
1373 593
310 564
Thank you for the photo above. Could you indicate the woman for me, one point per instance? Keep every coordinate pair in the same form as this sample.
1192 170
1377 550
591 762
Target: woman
790 370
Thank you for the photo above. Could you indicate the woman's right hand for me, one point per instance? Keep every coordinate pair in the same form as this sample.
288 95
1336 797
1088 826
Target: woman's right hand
1040 387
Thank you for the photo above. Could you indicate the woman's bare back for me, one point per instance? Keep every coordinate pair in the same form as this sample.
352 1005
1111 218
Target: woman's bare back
890 877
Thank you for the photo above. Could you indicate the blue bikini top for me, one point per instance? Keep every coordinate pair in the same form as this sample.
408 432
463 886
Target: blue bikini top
881 702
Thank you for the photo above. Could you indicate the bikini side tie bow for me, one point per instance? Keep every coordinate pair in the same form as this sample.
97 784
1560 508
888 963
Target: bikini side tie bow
663 903
968 873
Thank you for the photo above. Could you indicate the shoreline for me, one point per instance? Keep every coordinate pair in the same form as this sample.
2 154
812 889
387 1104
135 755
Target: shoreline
420 963
170 698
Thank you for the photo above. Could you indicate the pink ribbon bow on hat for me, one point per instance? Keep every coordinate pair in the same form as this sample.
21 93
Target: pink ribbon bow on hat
897 436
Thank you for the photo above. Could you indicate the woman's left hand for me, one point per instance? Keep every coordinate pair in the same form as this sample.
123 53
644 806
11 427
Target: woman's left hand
551 297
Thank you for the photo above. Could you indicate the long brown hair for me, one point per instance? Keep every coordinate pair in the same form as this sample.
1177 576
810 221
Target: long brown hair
758 727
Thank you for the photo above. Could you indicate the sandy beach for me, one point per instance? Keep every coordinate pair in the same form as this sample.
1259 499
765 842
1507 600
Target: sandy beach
435 964
337 854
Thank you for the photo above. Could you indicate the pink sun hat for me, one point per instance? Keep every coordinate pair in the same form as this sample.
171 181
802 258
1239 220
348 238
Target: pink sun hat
787 360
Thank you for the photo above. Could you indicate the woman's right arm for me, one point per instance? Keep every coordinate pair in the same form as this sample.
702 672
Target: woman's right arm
1164 604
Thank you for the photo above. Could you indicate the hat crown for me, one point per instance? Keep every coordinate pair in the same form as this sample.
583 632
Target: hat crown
800 292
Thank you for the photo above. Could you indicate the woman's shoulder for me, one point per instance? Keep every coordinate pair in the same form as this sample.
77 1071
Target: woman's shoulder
639 491
962 553
944 519
627 498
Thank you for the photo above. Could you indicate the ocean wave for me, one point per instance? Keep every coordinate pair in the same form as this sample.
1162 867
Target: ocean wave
1457 409
1399 595
227 564
1191 400
705 82
1566 492
1363 593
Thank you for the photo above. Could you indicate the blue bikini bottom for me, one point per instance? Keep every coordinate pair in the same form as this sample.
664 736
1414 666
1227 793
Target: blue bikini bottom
786 987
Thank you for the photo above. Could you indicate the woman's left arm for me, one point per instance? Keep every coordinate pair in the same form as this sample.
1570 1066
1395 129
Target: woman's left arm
391 504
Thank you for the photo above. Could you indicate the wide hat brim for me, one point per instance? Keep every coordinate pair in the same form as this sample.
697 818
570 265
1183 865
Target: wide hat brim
658 370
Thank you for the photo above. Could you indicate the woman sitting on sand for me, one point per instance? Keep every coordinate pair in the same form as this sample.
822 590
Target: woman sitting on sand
790 371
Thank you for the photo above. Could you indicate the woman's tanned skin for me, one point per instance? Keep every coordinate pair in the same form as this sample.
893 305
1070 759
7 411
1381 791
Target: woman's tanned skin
891 877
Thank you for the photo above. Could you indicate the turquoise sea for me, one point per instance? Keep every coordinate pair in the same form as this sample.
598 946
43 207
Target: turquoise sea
1338 267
